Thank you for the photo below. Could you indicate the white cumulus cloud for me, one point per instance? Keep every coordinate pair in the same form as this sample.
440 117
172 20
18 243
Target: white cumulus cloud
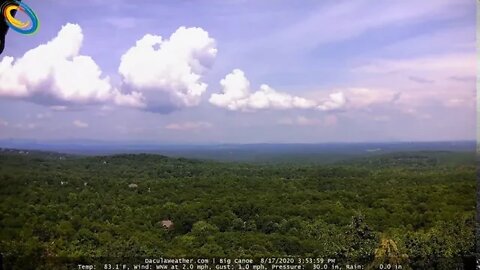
57 74
168 72
237 95
335 101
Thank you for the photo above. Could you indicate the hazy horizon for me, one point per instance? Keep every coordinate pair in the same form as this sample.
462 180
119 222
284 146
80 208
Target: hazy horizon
145 142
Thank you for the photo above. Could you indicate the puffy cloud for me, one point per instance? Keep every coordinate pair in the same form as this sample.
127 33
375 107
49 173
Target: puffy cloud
238 96
80 124
134 99
358 99
336 101
157 74
55 73
168 72
365 97
188 126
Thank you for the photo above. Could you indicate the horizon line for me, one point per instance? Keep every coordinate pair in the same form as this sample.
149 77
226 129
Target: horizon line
152 143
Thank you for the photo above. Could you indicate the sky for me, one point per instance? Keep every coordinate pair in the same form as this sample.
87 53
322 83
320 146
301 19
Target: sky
242 71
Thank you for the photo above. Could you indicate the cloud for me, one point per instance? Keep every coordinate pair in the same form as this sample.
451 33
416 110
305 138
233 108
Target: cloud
442 67
459 38
368 15
236 95
454 65
57 74
80 124
188 126
359 98
168 73
329 120
336 101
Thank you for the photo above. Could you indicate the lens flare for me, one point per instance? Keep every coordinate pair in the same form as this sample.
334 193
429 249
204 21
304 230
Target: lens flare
26 28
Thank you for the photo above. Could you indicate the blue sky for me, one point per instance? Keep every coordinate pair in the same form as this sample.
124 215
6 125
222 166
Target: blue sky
241 71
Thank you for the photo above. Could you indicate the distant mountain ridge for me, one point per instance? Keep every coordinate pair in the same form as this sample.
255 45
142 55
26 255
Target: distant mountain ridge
262 152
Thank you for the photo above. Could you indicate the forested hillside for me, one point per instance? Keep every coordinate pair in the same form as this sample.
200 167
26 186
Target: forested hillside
413 208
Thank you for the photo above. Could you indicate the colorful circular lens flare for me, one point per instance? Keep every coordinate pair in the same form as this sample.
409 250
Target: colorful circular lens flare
25 28
12 20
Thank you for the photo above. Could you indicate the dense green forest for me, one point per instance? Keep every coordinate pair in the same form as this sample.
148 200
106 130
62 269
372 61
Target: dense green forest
414 208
